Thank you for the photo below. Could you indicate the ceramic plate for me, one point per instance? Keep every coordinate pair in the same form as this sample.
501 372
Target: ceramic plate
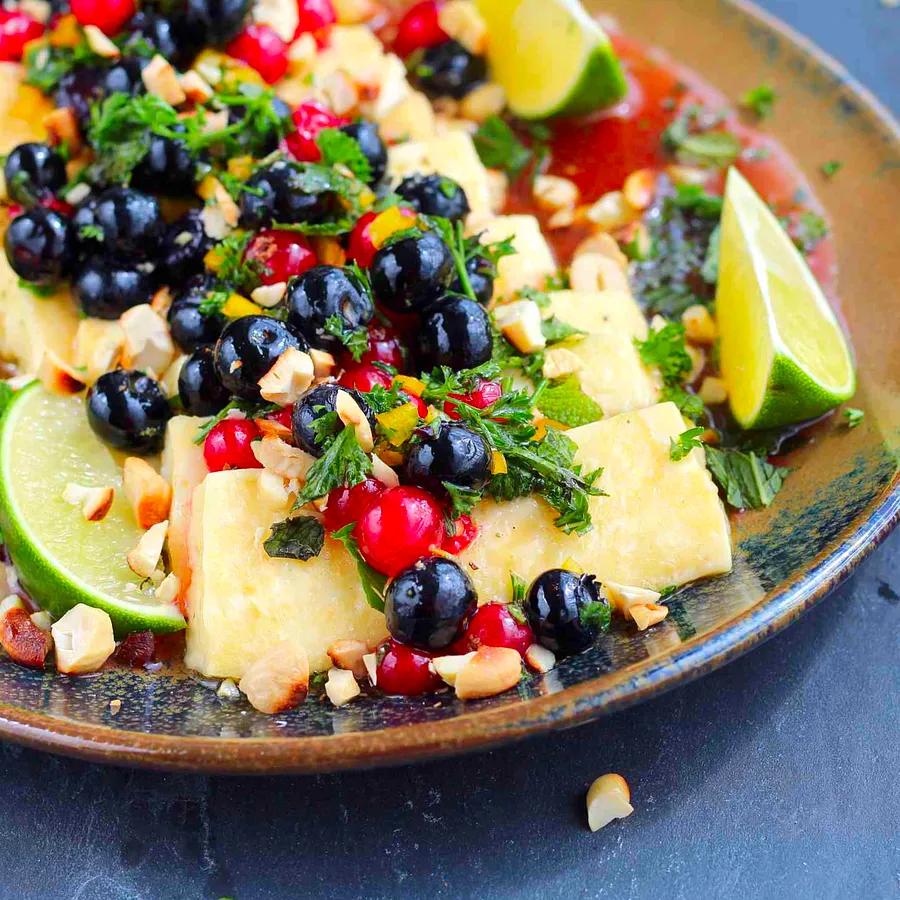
843 498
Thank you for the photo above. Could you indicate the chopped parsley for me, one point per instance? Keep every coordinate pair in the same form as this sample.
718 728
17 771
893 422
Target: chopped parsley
91 233
565 402
696 199
666 350
748 481
807 231
343 464
499 148
38 290
373 583
595 614
356 340
831 168
688 403
686 441
518 589
339 148
228 262
556 331
760 101
462 499
695 139
299 538
853 417
250 408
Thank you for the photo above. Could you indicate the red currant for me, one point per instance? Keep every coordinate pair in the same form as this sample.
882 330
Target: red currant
419 29
108 15
16 30
309 119
405 670
261 48
346 505
360 248
465 534
136 650
57 205
228 445
401 526
314 17
364 376
385 347
487 393
493 625
279 255
283 416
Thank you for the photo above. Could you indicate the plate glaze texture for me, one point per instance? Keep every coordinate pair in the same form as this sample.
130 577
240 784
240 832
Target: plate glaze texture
842 498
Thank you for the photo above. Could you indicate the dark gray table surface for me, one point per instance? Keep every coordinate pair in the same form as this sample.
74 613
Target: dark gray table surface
774 777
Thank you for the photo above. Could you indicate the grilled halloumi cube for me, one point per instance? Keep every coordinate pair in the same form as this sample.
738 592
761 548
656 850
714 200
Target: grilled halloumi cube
661 524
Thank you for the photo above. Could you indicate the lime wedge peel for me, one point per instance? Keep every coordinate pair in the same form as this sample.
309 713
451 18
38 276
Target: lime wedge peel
551 58
784 356
61 559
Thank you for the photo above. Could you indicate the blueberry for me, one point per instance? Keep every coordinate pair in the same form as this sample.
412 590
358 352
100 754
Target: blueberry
427 604
481 274
128 411
124 76
455 454
261 142
33 171
276 195
322 293
39 245
317 403
78 89
411 274
105 288
566 611
131 222
218 21
373 147
449 70
248 348
456 333
154 30
435 195
168 168
191 327
199 387
184 245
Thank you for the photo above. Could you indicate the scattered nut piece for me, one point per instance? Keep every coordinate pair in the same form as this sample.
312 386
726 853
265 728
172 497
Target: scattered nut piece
281 16
58 377
608 798
42 619
100 43
269 295
195 88
144 557
622 596
289 378
95 502
591 272
552 192
383 472
279 457
341 686
228 690
148 344
81 191
169 380
540 658
354 12
713 390
449 667
370 661
84 640
350 413
464 23
483 102
611 211
640 188
560 361
25 643
274 428
98 346
147 491
605 245
302 54
168 589
645 615
688 175
161 301
562 218
699 325
161 79
323 362
349 655
278 680
62 128
114 706
490 671
520 322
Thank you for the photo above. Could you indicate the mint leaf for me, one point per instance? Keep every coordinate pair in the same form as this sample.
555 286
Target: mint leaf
747 480
565 402
689 404
373 583
686 441
499 148
300 538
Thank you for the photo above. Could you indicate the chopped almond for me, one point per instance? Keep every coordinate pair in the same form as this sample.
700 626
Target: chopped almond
341 686
323 362
354 12
42 619
100 43
552 192
591 272
168 589
195 87
288 379
611 211
641 605
58 377
269 295
699 325
161 79
62 128
560 361
464 23
370 661
161 301
147 491
449 667
281 16
148 344
608 798
95 502
145 556
540 659
383 472
605 245
490 671
349 655
277 681
713 390
520 323
645 615
84 640
98 346
25 643
562 218
640 188
482 102
273 428
279 457
350 413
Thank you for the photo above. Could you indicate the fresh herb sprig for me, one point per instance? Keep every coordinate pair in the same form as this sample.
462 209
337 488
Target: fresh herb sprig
373 583
250 408
680 447
343 464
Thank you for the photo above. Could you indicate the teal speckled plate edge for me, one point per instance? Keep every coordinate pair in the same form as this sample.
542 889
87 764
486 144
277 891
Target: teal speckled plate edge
836 509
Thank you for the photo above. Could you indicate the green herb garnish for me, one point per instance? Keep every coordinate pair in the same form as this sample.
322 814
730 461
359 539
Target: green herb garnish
666 350
853 417
565 402
356 340
343 464
747 480
373 583
499 148
681 446
339 148
760 101
299 538
831 168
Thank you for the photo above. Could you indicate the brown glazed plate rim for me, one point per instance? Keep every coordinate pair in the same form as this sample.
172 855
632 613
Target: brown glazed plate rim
492 726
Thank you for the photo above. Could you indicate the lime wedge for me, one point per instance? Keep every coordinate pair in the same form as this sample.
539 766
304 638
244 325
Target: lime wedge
783 354
62 560
551 58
